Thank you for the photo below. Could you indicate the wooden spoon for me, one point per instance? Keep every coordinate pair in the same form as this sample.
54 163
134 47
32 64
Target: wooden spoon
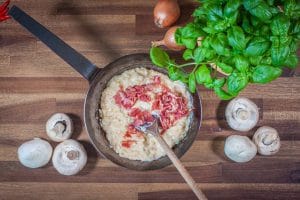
152 128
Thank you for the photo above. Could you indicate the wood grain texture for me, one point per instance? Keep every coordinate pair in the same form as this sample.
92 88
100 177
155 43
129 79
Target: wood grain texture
35 83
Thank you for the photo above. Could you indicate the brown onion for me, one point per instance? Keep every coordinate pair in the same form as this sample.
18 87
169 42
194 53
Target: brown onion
169 40
166 13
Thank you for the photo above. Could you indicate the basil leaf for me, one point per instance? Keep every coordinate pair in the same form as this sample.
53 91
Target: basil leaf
279 50
188 54
265 61
231 7
222 94
218 43
219 82
192 83
203 75
224 67
246 25
159 57
214 12
236 38
199 54
255 60
190 43
270 2
191 30
236 82
291 61
241 63
265 73
280 25
258 8
251 4
257 46
291 8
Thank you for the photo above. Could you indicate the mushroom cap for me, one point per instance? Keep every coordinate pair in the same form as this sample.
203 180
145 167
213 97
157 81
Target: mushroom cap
241 114
267 140
239 148
59 127
69 157
35 153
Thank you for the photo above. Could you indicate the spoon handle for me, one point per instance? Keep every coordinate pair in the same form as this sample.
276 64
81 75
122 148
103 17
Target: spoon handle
176 162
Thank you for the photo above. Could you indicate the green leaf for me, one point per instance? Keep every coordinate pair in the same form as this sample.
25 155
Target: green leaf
279 50
191 30
265 73
236 38
203 75
188 54
236 82
199 54
270 2
255 60
259 9
257 46
247 27
189 42
224 67
241 63
214 12
231 7
265 61
219 82
292 9
222 94
192 83
159 57
251 4
280 25
291 61
218 43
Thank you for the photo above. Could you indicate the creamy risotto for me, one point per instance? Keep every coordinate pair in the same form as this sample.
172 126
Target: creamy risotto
129 100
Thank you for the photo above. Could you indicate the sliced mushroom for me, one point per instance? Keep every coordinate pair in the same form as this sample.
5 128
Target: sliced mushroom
241 114
69 157
267 140
59 127
35 153
239 148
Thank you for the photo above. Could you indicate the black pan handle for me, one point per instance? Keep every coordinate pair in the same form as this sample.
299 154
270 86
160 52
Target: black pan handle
81 64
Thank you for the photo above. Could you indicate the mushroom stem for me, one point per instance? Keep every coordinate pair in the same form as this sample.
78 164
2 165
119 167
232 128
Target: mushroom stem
59 127
269 139
73 155
242 114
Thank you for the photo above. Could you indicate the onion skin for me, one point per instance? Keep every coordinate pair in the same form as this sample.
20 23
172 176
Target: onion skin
169 40
166 13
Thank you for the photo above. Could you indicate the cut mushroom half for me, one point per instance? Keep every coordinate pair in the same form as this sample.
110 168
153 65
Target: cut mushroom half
59 127
241 114
69 157
239 148
35 153
267 140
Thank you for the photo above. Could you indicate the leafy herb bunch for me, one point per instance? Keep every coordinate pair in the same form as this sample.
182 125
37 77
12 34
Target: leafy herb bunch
249 41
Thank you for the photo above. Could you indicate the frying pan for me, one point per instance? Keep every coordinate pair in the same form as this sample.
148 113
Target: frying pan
98 79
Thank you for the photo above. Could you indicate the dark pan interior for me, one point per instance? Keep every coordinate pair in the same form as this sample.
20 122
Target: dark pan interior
97 135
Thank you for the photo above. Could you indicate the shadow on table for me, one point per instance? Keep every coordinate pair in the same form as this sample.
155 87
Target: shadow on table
66 8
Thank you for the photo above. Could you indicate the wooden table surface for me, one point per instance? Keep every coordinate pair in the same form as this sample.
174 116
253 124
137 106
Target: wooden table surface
35 83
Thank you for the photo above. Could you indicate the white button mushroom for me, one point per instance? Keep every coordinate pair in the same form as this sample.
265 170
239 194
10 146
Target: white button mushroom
59 127
35 153
239 148
69 157
241 114
267 140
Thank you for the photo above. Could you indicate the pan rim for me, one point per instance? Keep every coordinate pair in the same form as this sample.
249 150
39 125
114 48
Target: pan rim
195 96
